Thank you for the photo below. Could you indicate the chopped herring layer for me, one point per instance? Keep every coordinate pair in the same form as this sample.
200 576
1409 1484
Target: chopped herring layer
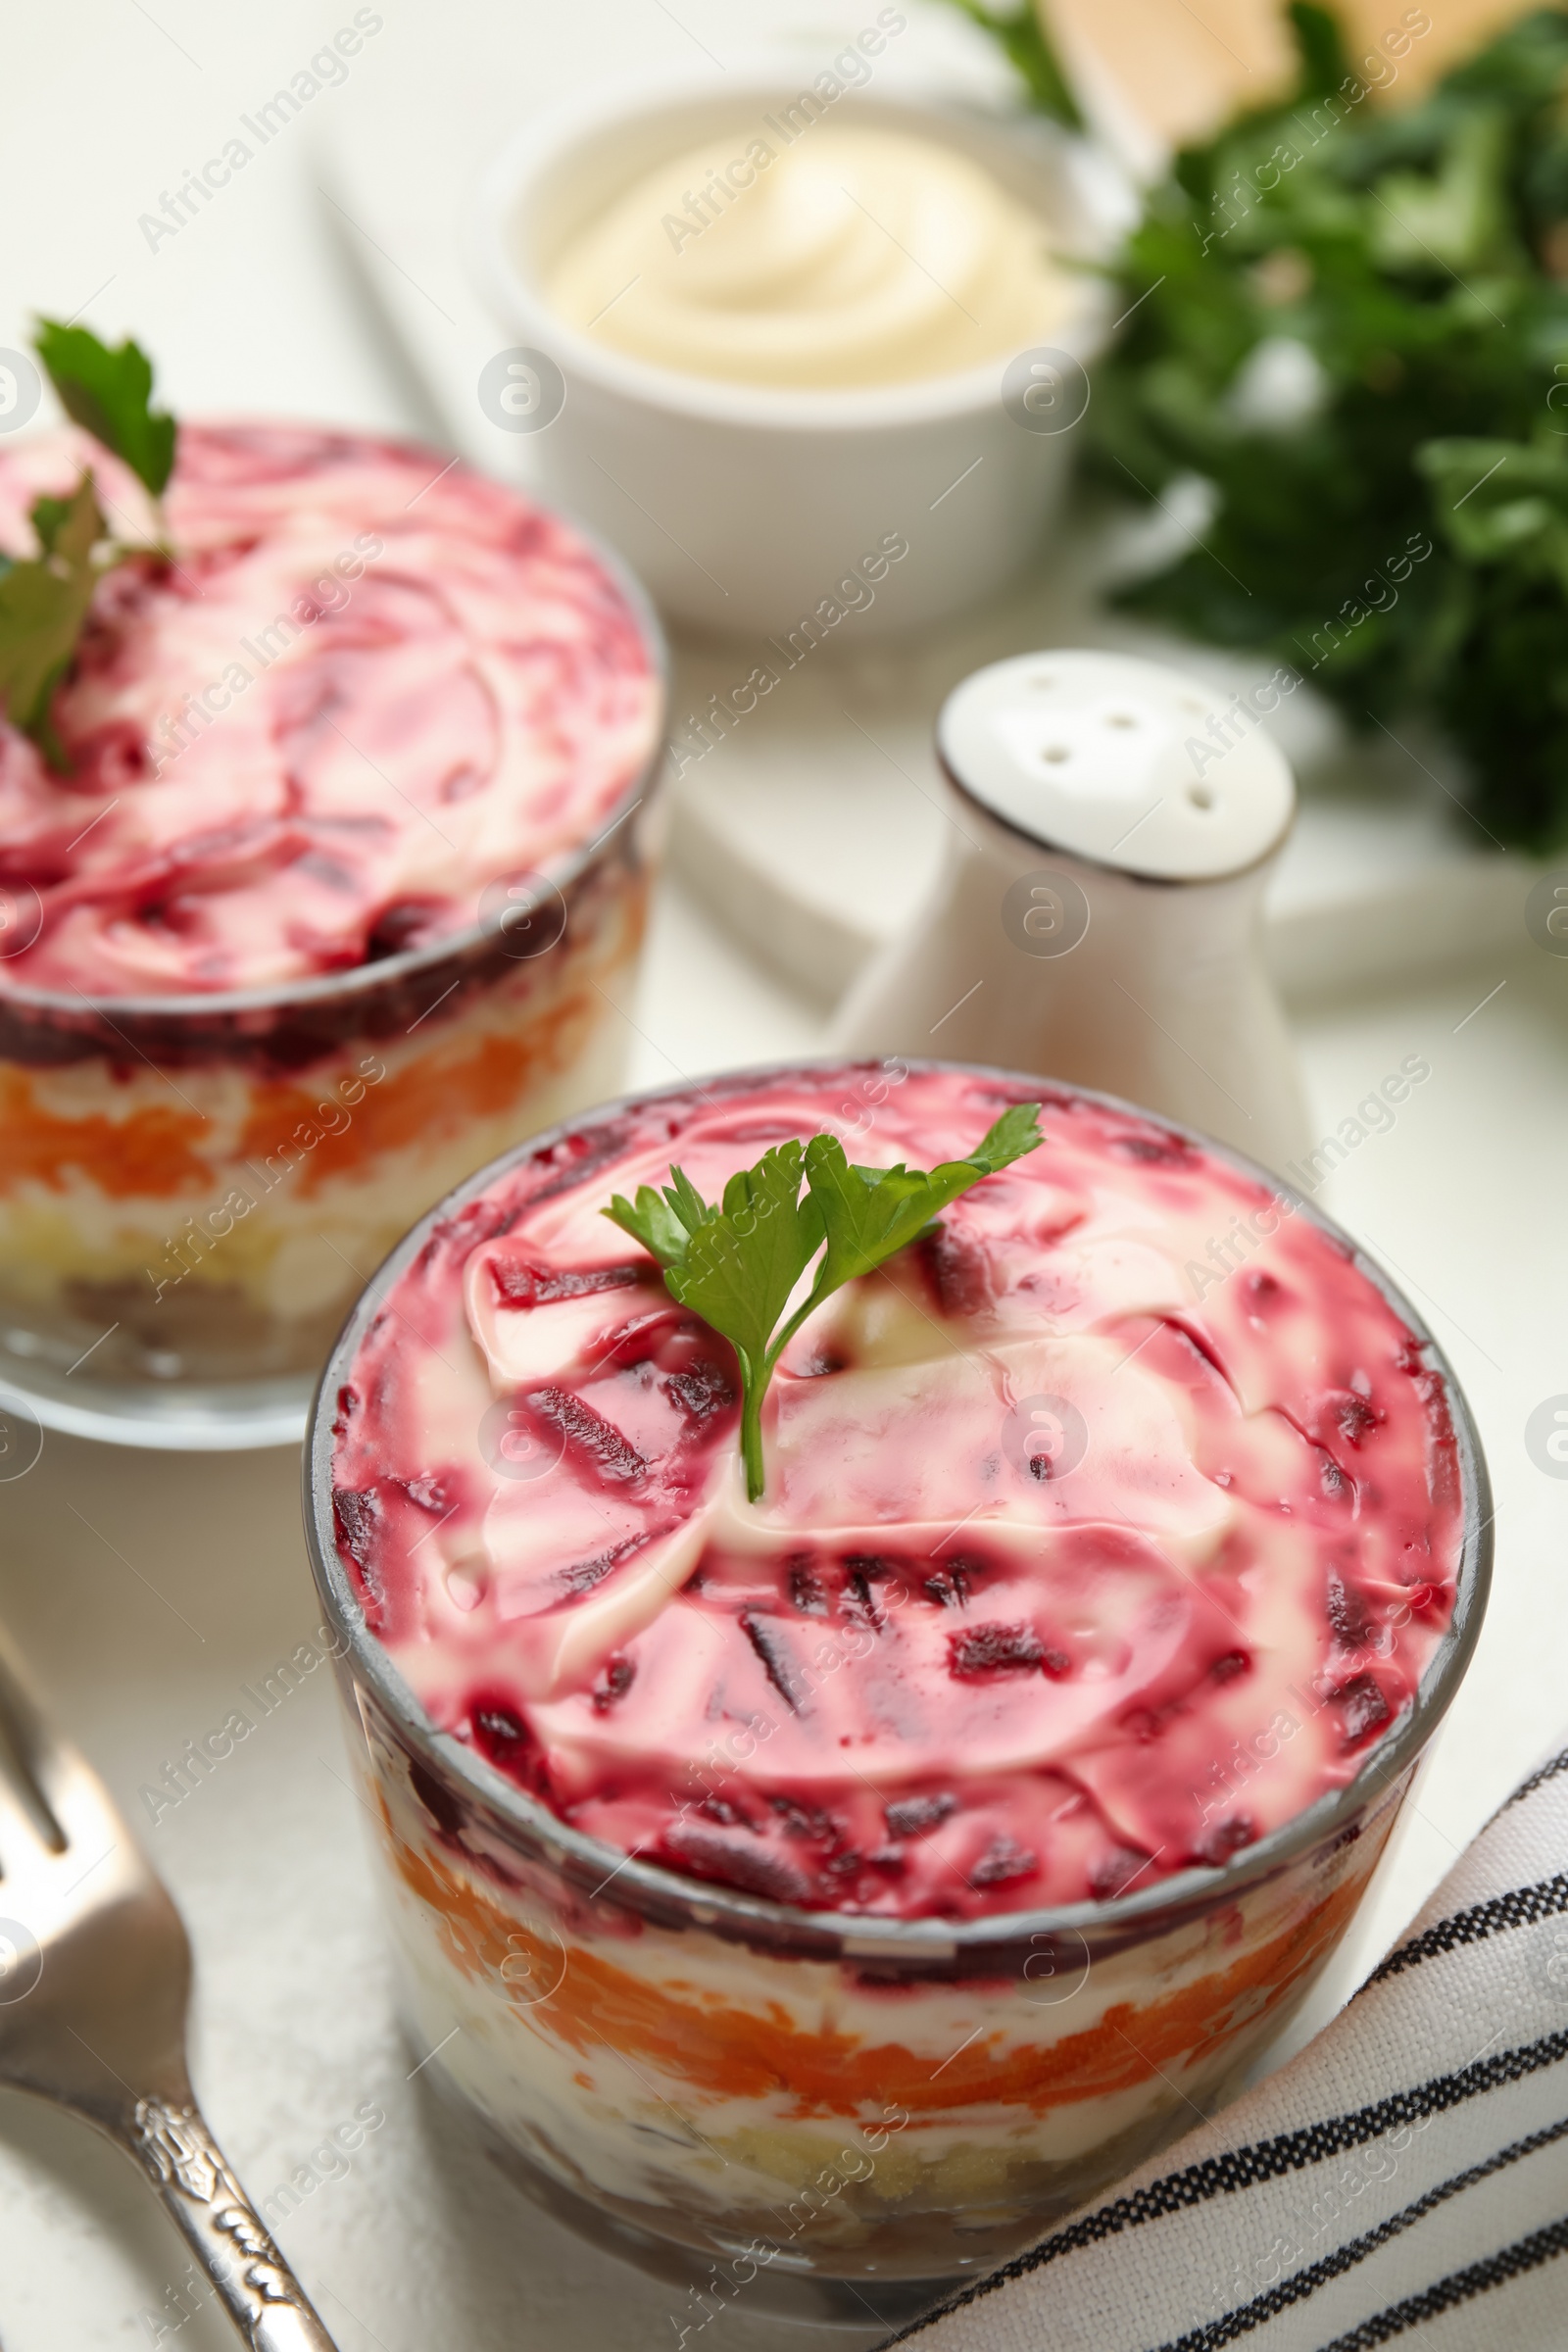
365 686
1073 1568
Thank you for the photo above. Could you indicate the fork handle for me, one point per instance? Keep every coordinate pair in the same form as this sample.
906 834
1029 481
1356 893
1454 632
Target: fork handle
254 2282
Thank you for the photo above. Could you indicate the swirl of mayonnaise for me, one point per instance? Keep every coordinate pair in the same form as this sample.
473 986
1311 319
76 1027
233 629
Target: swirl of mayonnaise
849 257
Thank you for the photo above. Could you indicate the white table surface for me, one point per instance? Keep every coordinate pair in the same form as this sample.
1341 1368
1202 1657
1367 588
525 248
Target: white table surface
145 1588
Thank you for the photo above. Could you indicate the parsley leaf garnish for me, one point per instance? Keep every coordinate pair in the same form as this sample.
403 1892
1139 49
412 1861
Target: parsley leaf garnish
110 394
871 1214
44 600
738 1263
43 603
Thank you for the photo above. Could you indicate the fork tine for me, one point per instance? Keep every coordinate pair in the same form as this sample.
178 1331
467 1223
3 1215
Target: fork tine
36 1757
24 1839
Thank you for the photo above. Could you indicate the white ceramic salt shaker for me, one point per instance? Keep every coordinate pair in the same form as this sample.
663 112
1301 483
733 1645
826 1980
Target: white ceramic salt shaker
1099 918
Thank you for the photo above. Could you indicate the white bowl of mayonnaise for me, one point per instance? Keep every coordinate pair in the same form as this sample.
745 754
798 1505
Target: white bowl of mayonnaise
798 353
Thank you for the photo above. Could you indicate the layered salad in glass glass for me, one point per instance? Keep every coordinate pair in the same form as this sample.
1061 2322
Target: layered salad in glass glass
844 1842
312 885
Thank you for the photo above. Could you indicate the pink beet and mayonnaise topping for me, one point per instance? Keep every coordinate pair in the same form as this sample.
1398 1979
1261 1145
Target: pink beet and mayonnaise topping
368 685
1080 1560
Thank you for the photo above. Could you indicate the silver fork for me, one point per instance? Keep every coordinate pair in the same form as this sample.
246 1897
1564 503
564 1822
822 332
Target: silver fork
94 1981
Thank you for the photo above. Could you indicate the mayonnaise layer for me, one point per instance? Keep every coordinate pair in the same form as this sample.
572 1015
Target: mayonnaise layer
1080 1561
830 257
369 685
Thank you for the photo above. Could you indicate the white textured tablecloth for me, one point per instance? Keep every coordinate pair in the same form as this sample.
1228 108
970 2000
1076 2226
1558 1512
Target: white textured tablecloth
146 1591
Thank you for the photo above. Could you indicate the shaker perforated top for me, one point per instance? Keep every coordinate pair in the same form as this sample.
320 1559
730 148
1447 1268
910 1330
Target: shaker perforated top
1121 761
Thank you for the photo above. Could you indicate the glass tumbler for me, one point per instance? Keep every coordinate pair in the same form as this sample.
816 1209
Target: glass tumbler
813 2111
193 1190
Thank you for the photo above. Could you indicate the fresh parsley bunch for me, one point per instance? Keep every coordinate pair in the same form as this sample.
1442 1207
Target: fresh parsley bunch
738 1262
1419 255
44 599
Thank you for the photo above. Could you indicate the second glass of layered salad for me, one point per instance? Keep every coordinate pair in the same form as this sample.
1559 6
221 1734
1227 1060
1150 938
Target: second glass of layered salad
825 1859
316 901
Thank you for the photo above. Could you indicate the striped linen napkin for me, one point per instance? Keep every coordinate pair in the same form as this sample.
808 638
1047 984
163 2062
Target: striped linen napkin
1404 2176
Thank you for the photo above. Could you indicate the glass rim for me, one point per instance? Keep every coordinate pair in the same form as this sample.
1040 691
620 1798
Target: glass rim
562 872
664 1895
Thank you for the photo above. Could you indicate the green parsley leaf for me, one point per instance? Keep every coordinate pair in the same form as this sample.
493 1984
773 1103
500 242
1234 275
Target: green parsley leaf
871 1214
110 394
735 1265
738 1265
48 517
43 603
1499 501
741 1265
663 1222
653 1222
1020 33
687 1203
